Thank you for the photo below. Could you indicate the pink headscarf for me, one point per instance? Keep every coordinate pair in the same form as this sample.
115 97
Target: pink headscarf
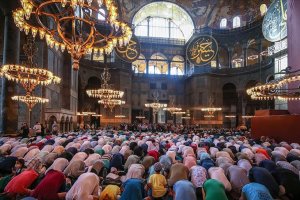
135 171
189 161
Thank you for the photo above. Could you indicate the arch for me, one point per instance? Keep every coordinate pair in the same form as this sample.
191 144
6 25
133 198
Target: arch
263 9
251 105
164 16
177 65
62 123
236 22
93 82
230 96
252 52
51 120
67 124
230 100
223 57
223 23
237 56
158 64
140 65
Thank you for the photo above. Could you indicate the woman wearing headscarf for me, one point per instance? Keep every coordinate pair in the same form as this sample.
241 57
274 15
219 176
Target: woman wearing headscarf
189 161
6 164
86 187
178 172
255 191
49 158
154 154
89 161
245 164
264 177
74 170
59 165
20 152
117 161
79 156
289 181
238 178
214 190
219 174
133 189
135 171
19 185
207 163
110 192
51 186
147 162
198 177
132 159
288 166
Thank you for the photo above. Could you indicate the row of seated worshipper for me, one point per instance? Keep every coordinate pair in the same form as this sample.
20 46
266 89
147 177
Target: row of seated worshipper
110 165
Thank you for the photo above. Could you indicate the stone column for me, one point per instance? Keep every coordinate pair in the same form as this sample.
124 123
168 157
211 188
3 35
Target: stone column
230 57
245 55
11 54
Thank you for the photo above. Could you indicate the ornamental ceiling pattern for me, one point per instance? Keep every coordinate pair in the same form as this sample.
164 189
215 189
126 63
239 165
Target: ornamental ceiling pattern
205 12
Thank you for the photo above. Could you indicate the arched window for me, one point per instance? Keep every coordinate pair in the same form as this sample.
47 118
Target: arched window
139 66
177 66
101 14
263 9
223 23
236 22
163 19
158 64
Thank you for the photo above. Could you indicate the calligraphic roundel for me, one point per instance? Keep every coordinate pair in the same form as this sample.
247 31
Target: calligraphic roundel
274 26
131 52
202 50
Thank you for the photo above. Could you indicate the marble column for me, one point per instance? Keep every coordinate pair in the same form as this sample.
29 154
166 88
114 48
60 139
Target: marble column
11 54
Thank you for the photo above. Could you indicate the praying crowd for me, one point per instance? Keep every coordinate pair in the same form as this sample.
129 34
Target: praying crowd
125 165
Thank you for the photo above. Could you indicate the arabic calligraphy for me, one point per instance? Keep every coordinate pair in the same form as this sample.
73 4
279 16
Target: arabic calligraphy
275 22
202 50
131 52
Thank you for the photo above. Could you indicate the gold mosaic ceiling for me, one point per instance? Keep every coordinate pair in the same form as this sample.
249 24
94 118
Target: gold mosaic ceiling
205 12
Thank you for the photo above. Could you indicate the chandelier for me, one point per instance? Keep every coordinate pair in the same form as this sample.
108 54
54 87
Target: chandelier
172 109
209 116
120 116
179 113
211 109
111 103
140 117
80 26
29 100
278 88
106 91
156 106
230 116
28 74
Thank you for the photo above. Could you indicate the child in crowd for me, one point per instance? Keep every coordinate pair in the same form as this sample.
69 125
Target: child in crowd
157 183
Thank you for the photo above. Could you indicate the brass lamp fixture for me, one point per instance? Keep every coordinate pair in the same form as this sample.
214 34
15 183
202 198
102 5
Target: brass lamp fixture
210 110
29 100
105 92
278 88
156 106
172 108
29 75
111 103
80 26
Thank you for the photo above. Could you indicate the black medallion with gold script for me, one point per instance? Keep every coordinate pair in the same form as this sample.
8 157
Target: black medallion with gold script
131 52
274 25
202 50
